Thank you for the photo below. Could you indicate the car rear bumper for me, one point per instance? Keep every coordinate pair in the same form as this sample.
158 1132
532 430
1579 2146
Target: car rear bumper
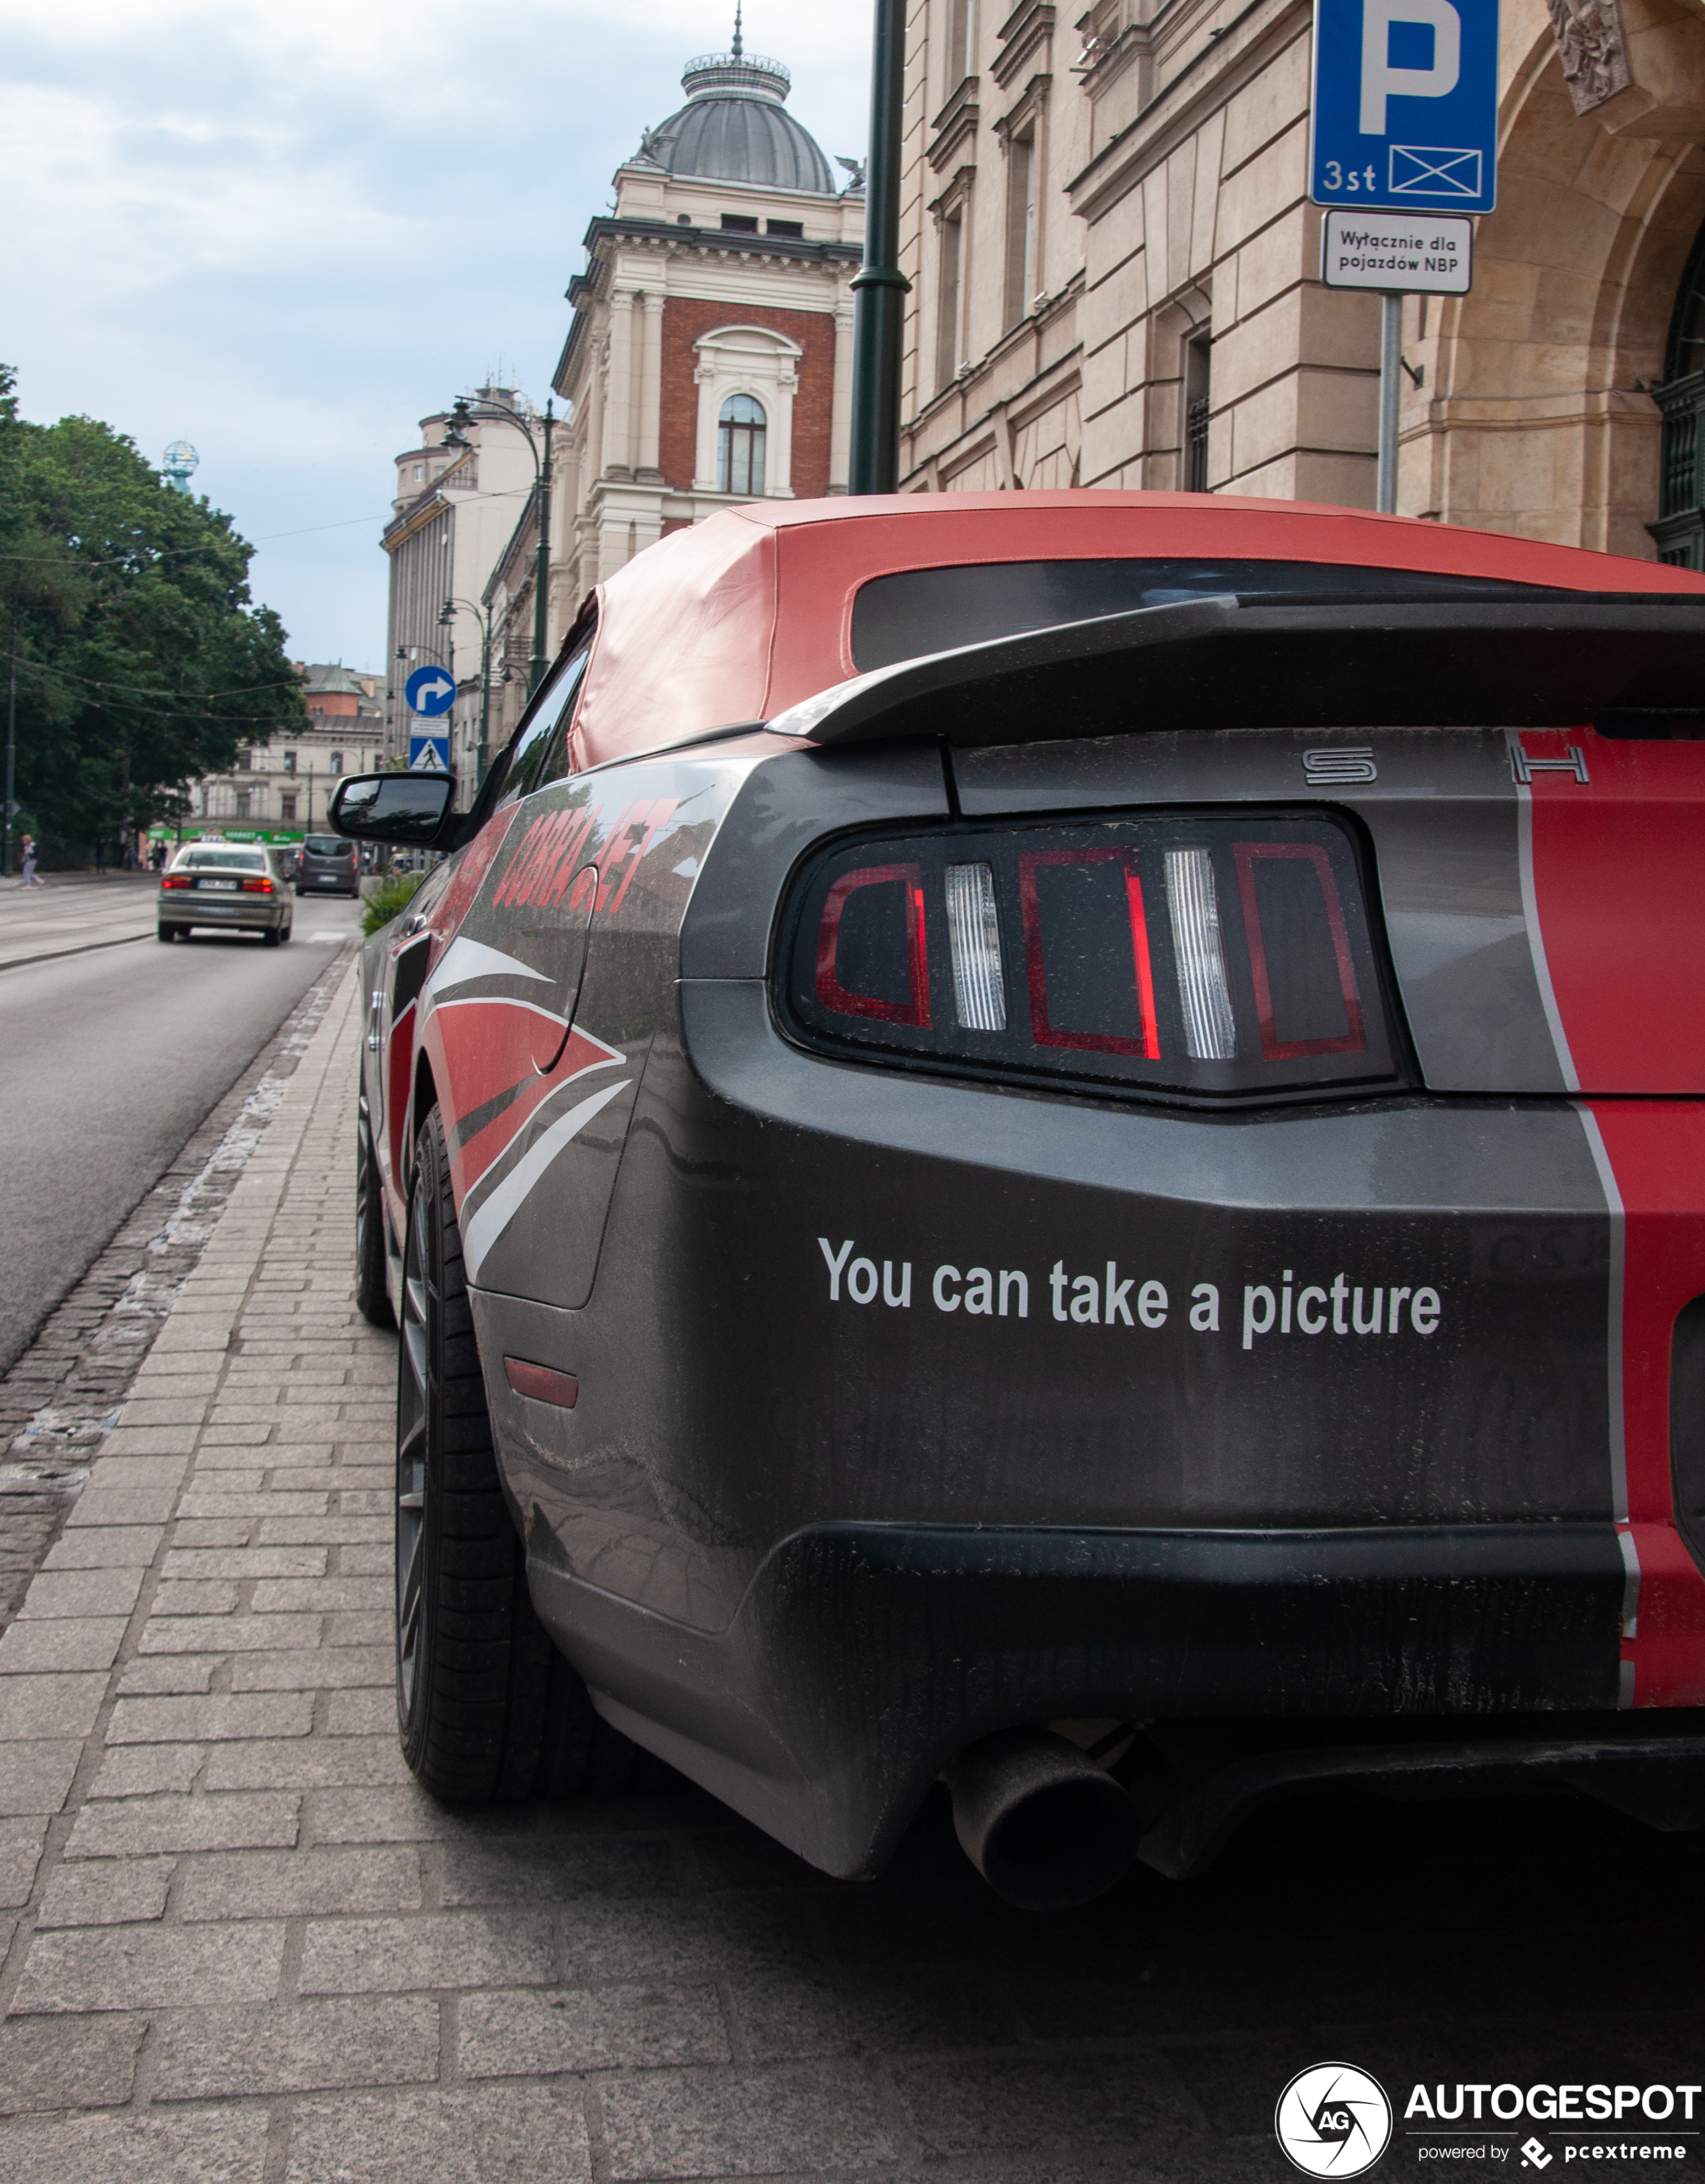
864 1658
184 908
830 1534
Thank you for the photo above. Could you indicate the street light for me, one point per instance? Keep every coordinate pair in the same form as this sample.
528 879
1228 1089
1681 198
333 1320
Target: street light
463 413
483 617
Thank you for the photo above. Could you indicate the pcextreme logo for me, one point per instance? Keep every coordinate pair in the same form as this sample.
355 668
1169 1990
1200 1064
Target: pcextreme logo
1332 2121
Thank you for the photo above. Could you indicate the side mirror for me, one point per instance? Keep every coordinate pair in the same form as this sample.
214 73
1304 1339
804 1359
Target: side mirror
407 808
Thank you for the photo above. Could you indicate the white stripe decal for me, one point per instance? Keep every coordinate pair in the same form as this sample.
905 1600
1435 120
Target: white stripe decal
1524 837
485 1228
463 961
1617 1424
503 1001
1630 1585
1619 1241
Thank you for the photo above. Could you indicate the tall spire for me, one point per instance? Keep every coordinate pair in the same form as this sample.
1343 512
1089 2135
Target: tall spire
737 29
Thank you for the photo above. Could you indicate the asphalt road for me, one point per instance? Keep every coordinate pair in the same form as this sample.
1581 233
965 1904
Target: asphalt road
109 1058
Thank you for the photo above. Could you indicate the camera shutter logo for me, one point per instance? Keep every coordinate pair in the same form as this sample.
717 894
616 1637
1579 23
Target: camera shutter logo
1332 2121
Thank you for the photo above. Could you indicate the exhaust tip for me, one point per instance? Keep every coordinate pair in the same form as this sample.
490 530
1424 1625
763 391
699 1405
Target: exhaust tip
1042 1824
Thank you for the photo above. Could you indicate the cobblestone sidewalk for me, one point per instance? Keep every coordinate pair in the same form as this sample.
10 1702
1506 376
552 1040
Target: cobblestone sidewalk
244 1949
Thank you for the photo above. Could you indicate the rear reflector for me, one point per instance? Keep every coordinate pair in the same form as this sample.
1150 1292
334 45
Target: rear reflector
1210 1030
542 1383
1212 956
973 937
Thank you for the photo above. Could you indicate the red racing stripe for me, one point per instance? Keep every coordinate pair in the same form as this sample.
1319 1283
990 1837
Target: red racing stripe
581 1053
1619 885
1657 1154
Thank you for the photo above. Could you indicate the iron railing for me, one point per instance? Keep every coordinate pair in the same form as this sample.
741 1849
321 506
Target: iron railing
1679 530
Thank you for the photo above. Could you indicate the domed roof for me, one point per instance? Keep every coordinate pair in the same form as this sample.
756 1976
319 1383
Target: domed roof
734 128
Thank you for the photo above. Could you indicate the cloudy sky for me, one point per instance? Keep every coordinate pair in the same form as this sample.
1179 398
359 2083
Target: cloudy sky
284 229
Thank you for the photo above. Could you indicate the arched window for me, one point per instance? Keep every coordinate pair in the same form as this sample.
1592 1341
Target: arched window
740 446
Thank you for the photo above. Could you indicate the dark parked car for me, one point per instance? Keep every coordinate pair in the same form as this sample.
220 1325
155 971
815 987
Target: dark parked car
327 865
1058 1138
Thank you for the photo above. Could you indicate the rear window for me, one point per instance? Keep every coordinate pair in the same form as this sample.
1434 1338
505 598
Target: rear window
328 845
923 611
221 860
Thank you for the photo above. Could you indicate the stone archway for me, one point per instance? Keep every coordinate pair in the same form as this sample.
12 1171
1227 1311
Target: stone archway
1534 415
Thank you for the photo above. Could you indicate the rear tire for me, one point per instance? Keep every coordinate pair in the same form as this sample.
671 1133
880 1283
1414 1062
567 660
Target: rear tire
372 1299
272 936
166 933
485 1706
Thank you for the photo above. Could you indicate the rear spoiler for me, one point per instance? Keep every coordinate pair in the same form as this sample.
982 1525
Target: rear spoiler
1558 659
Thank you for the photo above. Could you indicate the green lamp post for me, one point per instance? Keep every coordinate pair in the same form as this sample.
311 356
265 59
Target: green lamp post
486 411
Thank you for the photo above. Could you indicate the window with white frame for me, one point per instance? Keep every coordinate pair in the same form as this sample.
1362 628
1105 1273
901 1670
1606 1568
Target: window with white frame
1021 225
951 273
962 44
740 446
746 378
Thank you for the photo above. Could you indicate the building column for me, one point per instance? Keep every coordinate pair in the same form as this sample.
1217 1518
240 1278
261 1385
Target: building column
650 385
840 406
704 475
778 470
618 428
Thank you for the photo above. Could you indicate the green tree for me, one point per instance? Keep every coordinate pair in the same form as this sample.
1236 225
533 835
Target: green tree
141 661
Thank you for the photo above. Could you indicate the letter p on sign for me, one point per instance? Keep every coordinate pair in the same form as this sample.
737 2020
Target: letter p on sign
1381 80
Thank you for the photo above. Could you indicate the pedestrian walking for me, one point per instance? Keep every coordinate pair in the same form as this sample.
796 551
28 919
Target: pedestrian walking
31 877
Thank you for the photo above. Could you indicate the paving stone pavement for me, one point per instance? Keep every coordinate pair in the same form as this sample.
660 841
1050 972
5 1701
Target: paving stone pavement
243 1949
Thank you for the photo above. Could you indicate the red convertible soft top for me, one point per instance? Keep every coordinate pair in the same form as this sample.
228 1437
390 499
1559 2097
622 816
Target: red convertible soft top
750 613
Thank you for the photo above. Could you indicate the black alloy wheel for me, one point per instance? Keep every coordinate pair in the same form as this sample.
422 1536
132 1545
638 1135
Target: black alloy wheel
487 1706
372 1298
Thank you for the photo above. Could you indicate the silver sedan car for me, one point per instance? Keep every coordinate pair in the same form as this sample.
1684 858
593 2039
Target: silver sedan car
229 885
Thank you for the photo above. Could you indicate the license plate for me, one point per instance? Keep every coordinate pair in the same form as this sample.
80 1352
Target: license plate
229 886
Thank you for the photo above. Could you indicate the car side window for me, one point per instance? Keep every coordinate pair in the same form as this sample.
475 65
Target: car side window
537 750
553 763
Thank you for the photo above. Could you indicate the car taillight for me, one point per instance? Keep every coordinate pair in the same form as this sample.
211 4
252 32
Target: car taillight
257 886
1202 956
177 880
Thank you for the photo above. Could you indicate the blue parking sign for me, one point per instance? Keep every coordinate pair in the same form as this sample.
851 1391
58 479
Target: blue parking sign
1406 104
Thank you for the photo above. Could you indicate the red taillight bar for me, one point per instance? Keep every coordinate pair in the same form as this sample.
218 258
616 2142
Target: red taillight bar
831 993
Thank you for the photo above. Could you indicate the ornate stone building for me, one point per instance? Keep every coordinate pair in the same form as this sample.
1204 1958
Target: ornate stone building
455 506
278 791
709 359
1114 270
